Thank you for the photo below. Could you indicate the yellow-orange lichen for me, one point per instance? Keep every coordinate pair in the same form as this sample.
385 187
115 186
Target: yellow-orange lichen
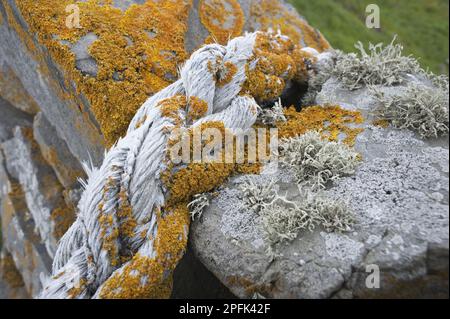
137 51
330 120
273 14
127 223
148 277
381 123
278 60
9 272
230 72
197 108
109 230
76 291
62 218
12 90
224 19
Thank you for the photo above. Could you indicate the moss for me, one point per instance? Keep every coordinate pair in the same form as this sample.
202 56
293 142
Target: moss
224 19
330 120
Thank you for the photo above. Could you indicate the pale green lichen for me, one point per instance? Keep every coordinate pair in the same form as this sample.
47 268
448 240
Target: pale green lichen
255 196
382 65
283 220
421 108
315 161
198 205
273 115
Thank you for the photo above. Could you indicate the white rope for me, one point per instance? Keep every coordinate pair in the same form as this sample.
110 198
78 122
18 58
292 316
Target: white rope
88 254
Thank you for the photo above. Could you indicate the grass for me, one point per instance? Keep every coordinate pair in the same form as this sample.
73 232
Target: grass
421 26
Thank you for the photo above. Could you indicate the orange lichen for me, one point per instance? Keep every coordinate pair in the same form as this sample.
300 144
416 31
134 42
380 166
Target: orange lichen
330 120
9 272
273 14
171 107
148 277
62 218
230 72
12 90
127 223
278 60
197 108
251 288
109 232
75 292
201 177
224 19
137 51
381 123
68 175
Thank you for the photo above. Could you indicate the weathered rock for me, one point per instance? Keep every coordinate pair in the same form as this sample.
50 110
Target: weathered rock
56 153
10 118
11 282
88 83
42 191
399 195
19 236
13 91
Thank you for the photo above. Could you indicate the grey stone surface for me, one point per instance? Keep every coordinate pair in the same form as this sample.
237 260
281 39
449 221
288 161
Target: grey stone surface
11 282
55 151
19 235
43 192
10 118
72 119
399 195
13 91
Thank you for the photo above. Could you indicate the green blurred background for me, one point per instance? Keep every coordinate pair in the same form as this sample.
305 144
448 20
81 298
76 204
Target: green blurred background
421 25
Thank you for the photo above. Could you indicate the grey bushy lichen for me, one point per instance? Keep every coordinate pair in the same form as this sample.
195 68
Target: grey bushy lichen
421 108
271 116
256 196
319 74
316 161
282 220
198 205
380 65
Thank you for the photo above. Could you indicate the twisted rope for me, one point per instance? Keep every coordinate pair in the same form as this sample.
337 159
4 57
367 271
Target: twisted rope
127 238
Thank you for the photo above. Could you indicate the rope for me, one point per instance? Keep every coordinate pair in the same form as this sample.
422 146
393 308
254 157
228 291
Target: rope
129 235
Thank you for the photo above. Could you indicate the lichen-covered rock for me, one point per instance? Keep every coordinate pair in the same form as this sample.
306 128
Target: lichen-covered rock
98 75
20 239
399 196
10 118
85 84
42 191
13 91
11 282
56 153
